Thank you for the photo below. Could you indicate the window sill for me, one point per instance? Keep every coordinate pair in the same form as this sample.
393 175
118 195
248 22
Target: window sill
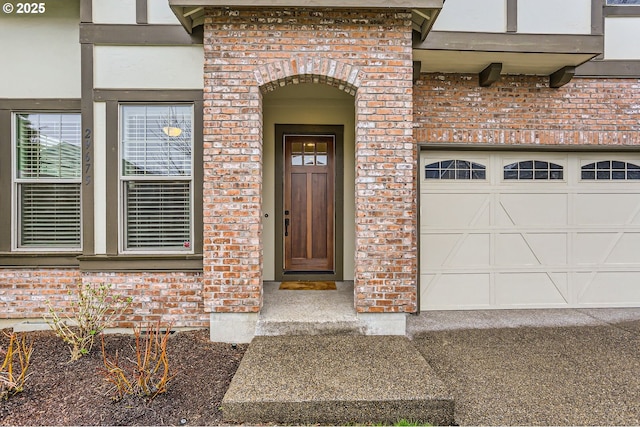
38 259
191 262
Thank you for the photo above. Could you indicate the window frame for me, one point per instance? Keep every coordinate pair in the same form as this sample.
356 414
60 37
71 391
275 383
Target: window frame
111 258
16 183
36 257
123 179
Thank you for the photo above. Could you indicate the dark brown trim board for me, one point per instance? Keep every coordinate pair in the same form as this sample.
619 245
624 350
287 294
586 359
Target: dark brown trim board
609 68
5 180
141 263
125 34
512 16
86 11
141 12
622 10
88 223
147 95
597 19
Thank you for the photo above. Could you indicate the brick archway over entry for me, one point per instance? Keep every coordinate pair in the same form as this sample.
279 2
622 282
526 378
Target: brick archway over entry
250 51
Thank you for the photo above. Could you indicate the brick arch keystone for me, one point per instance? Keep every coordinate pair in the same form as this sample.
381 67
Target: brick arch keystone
308 69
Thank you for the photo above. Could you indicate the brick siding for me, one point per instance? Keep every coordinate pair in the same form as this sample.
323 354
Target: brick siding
166 297
452 108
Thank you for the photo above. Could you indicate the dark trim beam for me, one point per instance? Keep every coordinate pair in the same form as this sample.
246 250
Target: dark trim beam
417 65
621 10
5 181
141 12
139 34
511 42
562 76
490 75
86 11
147 95
141 263
611 68
88 156
512 16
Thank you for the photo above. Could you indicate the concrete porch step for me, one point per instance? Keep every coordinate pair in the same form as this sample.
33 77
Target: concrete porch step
335 380
308 312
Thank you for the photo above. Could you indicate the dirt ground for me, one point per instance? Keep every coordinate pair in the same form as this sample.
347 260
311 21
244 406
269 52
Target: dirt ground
60 392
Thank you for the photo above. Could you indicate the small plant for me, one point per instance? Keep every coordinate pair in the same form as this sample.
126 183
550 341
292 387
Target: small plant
12 380
95 309
146 376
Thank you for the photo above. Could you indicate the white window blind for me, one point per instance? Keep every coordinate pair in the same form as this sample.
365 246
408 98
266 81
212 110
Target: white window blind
156 175
47 179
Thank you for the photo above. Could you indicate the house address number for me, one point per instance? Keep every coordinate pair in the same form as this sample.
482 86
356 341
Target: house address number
24 8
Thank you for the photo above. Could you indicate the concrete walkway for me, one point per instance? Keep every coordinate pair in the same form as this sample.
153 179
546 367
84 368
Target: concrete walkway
503 367
335 380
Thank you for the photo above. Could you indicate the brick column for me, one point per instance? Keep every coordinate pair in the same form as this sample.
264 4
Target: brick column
232 193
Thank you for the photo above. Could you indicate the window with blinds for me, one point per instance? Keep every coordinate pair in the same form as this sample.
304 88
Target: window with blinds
156 145
47 179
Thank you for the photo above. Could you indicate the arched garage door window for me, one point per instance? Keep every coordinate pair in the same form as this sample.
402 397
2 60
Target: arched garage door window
455 169
533 169
610 170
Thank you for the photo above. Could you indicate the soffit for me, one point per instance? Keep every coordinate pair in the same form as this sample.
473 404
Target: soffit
543 64
423 12
533 54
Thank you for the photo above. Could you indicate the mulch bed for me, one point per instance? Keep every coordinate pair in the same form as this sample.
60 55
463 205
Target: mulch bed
60 392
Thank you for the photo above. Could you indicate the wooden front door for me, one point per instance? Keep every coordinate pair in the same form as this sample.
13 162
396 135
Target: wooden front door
309 200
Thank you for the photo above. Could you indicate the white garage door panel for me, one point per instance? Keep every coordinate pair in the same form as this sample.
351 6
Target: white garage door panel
534 209
598 209
530 249
531 289
457 250
572 241
455 210
610 288
454 291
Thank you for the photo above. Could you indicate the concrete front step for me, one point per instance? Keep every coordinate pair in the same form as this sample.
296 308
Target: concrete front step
335 380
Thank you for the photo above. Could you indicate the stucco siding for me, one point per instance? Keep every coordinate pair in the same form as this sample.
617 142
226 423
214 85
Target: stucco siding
114 11
149 67
552 17
488 16
621 37
34 43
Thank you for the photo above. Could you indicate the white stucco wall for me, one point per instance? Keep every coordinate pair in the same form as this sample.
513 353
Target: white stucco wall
554 17
159 12
488 16
622 37
114 11
41 52
149 67
308 104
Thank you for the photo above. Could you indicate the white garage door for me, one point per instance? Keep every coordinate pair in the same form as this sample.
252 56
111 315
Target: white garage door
525 229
